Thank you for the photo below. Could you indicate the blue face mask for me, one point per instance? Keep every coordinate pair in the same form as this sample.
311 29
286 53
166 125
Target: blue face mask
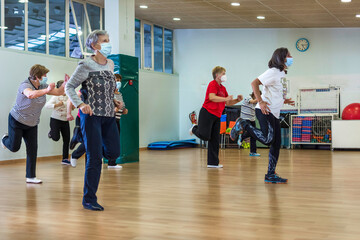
105 49
118 85
289 62
44 80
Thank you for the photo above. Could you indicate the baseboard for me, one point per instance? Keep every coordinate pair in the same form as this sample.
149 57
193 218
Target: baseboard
23 160
143 149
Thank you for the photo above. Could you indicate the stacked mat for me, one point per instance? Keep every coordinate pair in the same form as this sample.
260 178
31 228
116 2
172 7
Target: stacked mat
306 129
172 145
296 129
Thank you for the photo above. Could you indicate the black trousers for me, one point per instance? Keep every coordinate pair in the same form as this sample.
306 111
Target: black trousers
253 140
269 134
208 129
63 127
17 131
112 162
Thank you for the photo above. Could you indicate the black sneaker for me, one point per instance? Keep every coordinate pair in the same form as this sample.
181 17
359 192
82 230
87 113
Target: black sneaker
65 162
93 206
274 178
236 130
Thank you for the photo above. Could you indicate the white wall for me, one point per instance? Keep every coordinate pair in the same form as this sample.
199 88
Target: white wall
331 59
159 107
14 68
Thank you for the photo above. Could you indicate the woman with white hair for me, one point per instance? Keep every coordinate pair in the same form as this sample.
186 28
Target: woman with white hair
97 115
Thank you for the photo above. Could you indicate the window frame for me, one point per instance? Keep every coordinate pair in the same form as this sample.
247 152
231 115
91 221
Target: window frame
47 30
142 22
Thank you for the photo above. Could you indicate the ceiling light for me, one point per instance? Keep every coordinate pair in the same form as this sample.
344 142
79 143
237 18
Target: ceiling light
235 4
357 15
143 6
345 1
4 27
23 1
260 17
176 19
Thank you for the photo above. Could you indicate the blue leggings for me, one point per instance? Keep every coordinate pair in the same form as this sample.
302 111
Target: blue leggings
269 134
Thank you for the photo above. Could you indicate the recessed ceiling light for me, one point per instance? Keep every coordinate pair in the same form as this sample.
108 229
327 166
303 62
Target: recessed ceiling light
357 15
236 4
260 17
23 1
345 1
143 6
176 19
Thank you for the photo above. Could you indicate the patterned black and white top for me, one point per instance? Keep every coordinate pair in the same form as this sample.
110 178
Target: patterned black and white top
27 111
97 86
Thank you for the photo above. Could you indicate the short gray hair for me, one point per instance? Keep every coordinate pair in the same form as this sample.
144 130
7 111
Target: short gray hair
94 37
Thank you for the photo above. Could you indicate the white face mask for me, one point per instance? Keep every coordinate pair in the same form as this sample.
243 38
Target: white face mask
223 78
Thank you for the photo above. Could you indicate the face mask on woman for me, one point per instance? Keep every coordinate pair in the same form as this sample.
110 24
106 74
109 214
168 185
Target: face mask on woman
223 78
44 80
105 49
289 62
118 85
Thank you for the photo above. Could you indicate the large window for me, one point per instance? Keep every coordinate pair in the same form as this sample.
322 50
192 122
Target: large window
64 22
57 27
158 49
14 24
154 47
169 52
37 26
147 46
138 40
94 16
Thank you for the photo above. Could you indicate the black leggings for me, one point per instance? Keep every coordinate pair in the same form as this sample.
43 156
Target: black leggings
63 127
269 134
208 129
17 131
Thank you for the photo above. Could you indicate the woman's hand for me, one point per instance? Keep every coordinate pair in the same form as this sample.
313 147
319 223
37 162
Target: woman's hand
289 101
118 104
86 109
240 98
229 98
59 104
264 107
125 111
50 87
69 117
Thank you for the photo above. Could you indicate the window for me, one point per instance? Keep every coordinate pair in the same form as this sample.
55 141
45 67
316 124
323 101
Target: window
103 19
57 27
138 41
14 24
158 49
1 26
168 36
37 26
147 46
75 45
154 47
94 16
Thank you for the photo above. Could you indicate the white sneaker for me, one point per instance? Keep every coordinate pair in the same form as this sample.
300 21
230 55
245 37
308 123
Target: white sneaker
115 167
73 162
33 180
215 166
2 144
190 131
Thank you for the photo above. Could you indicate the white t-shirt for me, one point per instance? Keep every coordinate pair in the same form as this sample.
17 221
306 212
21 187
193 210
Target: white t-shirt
274 91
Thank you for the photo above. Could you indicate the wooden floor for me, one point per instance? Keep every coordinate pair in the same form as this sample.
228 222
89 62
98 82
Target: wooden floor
172 195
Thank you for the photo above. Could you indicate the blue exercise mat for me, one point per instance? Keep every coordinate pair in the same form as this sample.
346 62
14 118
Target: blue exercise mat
172 144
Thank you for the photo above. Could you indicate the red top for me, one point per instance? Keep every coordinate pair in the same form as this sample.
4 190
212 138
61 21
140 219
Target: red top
215 108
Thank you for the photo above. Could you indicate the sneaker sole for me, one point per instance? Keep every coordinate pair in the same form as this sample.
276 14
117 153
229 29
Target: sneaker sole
270 182
65 163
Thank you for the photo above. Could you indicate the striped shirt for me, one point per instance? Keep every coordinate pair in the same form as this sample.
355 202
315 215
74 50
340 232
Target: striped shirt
27 111
119 97
248 109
